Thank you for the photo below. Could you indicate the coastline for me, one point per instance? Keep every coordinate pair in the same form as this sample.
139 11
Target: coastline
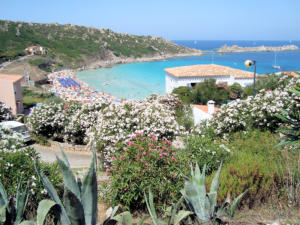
113 61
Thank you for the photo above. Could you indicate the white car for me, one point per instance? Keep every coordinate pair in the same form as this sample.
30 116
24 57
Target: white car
17 127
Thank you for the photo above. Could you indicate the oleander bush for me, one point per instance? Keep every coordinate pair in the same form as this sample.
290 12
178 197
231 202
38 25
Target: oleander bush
254 165
118 122
258 112
5 112
143 162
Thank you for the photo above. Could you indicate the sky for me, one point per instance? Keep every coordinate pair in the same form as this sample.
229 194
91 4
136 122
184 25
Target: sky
170 19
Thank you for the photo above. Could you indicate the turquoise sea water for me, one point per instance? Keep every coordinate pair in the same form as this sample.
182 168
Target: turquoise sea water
139 80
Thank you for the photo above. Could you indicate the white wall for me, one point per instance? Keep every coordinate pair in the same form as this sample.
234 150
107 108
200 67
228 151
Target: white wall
199 115
174 82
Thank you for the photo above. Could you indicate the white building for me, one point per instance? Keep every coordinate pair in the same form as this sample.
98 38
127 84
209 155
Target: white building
190 75
203 112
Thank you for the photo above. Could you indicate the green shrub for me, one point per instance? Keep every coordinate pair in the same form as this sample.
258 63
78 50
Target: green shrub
20 163
205 151
142 163
255 165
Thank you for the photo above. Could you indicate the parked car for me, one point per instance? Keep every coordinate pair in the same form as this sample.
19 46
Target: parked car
17 127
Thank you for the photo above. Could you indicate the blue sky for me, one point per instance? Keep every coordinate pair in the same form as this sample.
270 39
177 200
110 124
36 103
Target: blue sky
171 19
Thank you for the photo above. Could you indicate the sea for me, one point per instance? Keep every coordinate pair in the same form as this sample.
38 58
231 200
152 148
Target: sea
139 80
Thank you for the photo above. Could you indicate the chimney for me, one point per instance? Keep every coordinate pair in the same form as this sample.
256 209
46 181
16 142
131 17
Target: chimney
211 106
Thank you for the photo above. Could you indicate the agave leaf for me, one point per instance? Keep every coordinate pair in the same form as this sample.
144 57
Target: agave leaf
21 202
3 213
3 196
174 210
124 218
181 215
73 208
69 178
141 222
235 203
214 187
89 194
194 193
52 192
27 222
151 209
43 209
65 158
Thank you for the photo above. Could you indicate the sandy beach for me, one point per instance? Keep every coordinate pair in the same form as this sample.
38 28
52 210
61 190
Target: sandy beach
68 87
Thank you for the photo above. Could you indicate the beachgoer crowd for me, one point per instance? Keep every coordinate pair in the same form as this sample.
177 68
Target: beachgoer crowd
66 86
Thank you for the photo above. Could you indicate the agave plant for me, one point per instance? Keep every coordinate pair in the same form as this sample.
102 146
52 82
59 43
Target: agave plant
204 204
176 216
79 204
12 210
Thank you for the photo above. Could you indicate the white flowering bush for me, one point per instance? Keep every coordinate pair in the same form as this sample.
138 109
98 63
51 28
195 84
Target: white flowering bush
10 141
118 122
5 112
84 118
257 112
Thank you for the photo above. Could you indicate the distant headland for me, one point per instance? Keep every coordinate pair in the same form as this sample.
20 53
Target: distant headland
236 48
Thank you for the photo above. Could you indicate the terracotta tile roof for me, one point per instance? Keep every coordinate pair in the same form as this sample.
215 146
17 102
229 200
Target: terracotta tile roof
12 77
204 108
291 73
207 70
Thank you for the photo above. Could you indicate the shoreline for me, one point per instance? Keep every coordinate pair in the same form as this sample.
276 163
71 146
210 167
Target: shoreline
113 61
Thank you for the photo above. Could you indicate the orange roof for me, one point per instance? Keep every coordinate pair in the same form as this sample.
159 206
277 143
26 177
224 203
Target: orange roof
207 70
292 73
204 108
13 77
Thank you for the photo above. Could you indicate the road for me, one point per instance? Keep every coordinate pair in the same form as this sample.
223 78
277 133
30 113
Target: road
76 159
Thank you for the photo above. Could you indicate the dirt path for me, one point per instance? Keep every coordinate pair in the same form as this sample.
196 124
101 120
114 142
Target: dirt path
76 159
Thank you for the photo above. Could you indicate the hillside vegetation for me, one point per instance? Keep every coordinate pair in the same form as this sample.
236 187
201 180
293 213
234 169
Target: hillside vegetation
75 46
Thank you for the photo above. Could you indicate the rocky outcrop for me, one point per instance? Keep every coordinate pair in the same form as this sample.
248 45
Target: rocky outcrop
236 48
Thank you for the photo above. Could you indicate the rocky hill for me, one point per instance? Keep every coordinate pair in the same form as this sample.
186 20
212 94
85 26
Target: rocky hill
72 46
236 48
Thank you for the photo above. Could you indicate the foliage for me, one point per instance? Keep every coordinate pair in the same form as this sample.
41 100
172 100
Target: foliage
70 45
209 90
118 122
42 63
255 164
292 120
11 212
257 112
267 82
5 112
16 162
205 151
145 162
184 93
175 217
204 204
79 205
31 98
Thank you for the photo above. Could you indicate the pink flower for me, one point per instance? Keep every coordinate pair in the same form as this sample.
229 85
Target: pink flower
125 189
144 153
141 160
130 143
175 175
126 149
138 156
165 154
141 148
147 164
173 159
122 157
150 150
144 138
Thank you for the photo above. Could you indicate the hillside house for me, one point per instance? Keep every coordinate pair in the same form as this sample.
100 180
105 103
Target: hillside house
191 75
11 92
203 112
35 49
